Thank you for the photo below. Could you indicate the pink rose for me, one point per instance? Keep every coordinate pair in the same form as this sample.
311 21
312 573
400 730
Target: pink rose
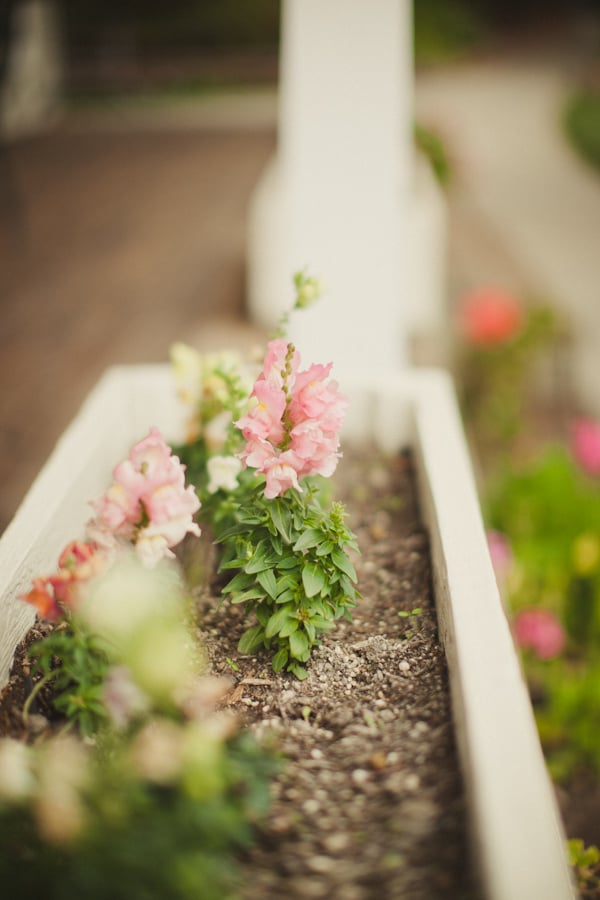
539 630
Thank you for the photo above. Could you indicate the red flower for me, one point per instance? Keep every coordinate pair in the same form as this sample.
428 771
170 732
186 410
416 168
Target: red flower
490 316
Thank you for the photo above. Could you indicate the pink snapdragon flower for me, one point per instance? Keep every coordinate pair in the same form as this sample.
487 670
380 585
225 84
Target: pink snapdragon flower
148 502
292 428
540 631
585 444
489 317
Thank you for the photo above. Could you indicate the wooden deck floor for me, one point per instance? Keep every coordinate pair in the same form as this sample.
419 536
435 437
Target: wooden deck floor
112 245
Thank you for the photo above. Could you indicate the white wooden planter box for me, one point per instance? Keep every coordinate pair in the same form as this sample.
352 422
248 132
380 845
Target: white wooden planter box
517 835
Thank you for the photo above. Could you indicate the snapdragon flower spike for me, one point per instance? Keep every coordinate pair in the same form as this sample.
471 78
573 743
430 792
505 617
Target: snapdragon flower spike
148 503
292 428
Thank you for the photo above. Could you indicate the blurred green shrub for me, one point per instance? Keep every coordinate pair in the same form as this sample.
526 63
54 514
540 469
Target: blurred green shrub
550 512
432 146
582 123
445 30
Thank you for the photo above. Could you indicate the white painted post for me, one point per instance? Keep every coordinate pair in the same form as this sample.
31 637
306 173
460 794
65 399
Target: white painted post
336 198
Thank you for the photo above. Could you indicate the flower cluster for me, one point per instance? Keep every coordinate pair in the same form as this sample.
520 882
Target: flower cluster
148 505
212 386
292 427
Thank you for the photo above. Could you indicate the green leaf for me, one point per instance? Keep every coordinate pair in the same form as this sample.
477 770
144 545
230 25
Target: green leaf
310 629
342 562
237 563
268 581
309 538
277 621
281 520
263 613
325 549
239 582
287 562
299 646
299 671
313 579
290 626
251 640
280 659
251 594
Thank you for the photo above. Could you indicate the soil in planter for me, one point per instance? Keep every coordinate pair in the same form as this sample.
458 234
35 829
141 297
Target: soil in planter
370 802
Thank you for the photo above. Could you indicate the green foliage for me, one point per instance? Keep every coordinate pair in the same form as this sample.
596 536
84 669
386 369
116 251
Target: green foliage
445 30
76 663
551 513
292 570
586 863
582 124
141 839
432 146
494 381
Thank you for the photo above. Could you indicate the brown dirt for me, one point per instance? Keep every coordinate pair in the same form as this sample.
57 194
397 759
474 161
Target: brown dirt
370 803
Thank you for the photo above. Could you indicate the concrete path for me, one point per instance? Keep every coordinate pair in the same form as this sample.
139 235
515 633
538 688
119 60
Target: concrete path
524 212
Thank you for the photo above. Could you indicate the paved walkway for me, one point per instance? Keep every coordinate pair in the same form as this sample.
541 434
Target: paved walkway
121 232
525 210
114 242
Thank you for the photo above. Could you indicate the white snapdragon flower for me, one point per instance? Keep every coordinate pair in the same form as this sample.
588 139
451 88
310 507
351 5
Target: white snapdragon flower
223 473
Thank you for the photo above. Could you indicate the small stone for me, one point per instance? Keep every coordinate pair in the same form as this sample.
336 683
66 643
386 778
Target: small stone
335 843
321 864
311 807
360 776
404 666
412 782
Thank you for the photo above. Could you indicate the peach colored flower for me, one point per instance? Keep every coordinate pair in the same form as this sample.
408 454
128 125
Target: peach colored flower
539 630
52 595
490 316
